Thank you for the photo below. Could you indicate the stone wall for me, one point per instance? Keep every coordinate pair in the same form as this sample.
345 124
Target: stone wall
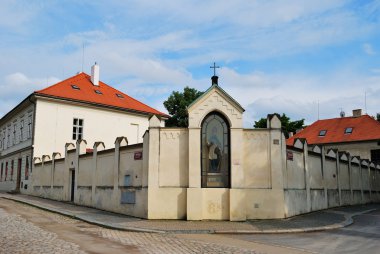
319 179
105 179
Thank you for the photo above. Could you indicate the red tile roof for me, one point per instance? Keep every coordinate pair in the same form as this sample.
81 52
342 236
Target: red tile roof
87 94
364 128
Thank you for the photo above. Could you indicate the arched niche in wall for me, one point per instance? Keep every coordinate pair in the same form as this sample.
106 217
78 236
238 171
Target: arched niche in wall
215 151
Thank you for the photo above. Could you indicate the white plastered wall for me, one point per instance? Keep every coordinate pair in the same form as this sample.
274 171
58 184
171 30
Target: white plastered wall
54 125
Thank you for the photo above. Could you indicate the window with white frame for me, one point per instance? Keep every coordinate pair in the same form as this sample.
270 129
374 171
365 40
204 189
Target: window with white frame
3 139
14 133
9 137
30 126
77 128
22 130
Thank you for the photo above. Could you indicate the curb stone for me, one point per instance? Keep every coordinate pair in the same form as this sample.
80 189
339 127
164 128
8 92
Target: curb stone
348 221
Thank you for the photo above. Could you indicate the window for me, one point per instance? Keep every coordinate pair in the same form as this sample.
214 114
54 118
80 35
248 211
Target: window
3 139
14 133
29 126
6 170
26 167
1 176
75 87
322 133
119 96
22 130
375 156
9 137
12 170
77 129
98 92
215 147
348 130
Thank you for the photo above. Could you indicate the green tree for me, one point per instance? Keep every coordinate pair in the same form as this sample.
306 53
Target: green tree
177 104
378 117
286 124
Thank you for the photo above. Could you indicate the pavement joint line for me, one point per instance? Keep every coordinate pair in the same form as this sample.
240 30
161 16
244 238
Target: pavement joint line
73 216
348 221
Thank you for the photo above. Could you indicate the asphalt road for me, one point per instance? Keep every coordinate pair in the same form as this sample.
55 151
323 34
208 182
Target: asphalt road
361 237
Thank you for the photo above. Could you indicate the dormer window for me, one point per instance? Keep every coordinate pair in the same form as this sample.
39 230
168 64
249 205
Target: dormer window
348 130
120 96
75 87
322 133
98 92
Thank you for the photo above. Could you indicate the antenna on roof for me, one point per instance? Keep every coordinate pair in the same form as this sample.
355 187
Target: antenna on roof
365 101
342 113
318 109
82 55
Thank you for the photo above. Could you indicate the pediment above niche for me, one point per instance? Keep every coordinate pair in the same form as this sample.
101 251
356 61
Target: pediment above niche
215 99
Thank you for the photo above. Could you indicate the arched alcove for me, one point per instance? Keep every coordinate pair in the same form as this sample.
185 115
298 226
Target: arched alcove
215 151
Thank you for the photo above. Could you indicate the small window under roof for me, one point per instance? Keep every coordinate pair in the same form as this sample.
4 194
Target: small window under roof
98 92
119 96
322 133
348 130
75 87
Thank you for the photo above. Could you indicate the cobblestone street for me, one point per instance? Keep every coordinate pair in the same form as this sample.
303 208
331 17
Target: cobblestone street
25 229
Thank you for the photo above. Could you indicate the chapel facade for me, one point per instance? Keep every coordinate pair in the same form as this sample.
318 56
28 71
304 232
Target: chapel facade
213 170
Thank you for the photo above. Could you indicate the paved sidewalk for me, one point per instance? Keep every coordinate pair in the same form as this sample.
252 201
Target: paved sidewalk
316 221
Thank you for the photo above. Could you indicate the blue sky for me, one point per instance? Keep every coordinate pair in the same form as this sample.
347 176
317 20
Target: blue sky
280 56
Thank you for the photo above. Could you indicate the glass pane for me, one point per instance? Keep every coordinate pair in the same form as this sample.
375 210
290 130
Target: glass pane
75 121
215 152
81 122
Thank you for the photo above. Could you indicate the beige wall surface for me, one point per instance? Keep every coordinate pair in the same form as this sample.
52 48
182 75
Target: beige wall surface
295 172
55 120
174 158
362 149
315 171
256 163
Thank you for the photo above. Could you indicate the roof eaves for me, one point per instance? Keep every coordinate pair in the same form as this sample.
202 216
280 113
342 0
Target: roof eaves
28 98
100 105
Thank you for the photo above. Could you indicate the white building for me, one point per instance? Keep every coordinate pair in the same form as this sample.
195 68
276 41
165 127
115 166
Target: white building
80 107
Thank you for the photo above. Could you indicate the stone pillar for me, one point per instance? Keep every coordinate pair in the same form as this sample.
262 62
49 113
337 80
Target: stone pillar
237 170
307 175
98 146
153 163
323 166
55 156
66 173
120 141
361 179
350 177
338 176
80 149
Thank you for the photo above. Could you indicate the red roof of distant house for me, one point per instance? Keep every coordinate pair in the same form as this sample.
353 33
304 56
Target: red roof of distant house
103 94
364 128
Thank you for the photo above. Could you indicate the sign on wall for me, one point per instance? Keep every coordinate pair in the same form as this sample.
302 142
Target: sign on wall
138 155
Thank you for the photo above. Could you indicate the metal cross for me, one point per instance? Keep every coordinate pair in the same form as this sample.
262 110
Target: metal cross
214 67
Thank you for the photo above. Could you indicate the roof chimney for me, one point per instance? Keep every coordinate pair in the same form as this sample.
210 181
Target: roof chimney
95 74
357 112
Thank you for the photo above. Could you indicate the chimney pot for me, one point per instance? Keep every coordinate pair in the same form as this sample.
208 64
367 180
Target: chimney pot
356 112
95 74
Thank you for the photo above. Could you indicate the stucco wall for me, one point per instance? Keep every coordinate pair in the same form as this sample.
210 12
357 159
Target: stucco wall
55 120
174 158
256 163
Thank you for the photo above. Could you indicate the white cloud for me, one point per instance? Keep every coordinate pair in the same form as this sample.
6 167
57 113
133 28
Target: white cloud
17 86
368 49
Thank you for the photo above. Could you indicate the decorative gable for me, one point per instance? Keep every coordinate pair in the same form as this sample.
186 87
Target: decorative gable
215 99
